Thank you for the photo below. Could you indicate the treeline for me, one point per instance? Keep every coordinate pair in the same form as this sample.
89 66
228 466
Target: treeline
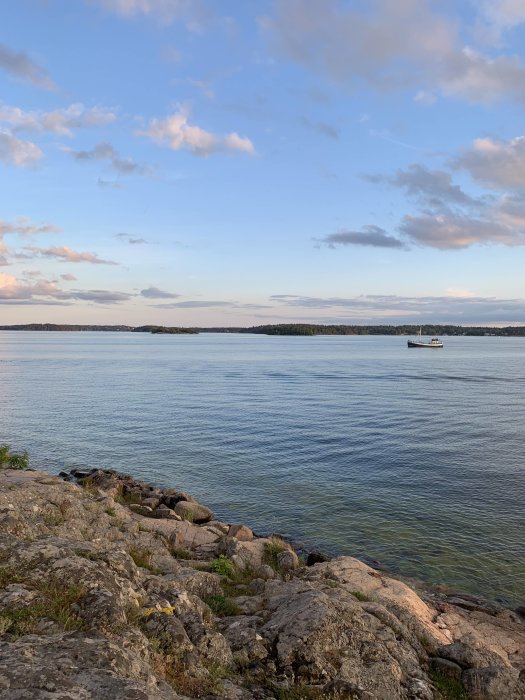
63 327
301 329
312 329
169 330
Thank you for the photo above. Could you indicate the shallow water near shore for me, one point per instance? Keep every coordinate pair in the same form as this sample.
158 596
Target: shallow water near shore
355 445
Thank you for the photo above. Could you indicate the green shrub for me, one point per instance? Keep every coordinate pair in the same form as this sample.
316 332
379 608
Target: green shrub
223 566
272 550
221 605
13 460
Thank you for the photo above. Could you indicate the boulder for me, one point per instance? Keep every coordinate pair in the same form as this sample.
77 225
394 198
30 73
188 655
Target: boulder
193 512
140 509
241 533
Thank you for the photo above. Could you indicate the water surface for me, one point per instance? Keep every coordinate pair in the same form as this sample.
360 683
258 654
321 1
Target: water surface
355 444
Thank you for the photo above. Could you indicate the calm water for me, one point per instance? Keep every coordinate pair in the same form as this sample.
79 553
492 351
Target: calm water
357 444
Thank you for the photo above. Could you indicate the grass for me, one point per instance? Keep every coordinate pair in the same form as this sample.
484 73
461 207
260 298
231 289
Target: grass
223 566
300 692
272 550
54 603
222 605
180 553
142 559
449 688
111 512
361 596
13 460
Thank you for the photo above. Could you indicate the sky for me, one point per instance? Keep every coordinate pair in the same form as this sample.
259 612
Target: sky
217 162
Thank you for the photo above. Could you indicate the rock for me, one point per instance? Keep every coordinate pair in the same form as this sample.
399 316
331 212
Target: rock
446 667
287 560
468 656
165 512
139 509
316 557
152 502
493 683
193 512
241 533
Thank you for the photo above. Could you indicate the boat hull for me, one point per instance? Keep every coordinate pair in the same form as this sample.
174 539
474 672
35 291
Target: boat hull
415 344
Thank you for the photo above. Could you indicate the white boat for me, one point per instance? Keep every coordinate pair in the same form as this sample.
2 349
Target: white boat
420 343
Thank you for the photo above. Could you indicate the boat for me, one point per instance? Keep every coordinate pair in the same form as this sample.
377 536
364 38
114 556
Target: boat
420 343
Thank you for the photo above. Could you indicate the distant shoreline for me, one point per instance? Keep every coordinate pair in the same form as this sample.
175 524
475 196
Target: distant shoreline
286 329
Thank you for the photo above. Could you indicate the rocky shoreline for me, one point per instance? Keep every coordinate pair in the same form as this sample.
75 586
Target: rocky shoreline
113 589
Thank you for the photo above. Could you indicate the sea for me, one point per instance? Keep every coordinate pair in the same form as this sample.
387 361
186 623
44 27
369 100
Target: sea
354 445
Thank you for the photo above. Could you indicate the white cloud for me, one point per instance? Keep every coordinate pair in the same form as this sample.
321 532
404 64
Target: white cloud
14 151
175 132
60 121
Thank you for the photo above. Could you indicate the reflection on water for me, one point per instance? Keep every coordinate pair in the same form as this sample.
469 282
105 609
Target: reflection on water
354 444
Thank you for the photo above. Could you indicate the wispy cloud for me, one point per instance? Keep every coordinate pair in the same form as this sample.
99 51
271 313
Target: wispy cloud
60 121
105 152
369 236
21 66
177 133
369 308
130 239
14 151
43 291
25 227
322 128
156 293
66 254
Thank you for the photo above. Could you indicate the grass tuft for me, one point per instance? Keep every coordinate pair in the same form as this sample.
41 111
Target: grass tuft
13 460
448 688
222 605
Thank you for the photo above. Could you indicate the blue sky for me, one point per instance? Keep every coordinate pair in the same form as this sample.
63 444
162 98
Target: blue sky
225 163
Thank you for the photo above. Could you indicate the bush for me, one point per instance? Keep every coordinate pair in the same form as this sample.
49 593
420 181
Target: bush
222 566
13 460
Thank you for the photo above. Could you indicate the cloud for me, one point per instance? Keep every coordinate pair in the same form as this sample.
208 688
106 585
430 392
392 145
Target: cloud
68 277
21 66
105 151
175 132
212 304
392 44
323 128
156 293
164 10
14 151
129 239
60 121
496 163
24 227
369 236
455 231
13 290
448 308
66 254
434 187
